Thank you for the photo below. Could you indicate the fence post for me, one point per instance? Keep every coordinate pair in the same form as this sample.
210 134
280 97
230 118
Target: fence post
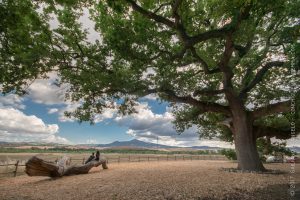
167 157
16 170
83 160
129 158
183 157
175 158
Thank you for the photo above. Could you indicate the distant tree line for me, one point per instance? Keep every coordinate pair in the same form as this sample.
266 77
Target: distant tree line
121 151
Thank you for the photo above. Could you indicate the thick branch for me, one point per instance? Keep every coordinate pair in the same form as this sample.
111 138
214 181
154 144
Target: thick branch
259 76
208 92
203 63
149 14
272 109
224 31
243 50
223 64
162 5
203 105
217 33
177 25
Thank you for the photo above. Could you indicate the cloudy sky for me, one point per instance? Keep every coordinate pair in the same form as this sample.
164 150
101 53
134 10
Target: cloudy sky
39 117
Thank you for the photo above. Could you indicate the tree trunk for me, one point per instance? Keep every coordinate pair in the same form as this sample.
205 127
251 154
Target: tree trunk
245 144
38 167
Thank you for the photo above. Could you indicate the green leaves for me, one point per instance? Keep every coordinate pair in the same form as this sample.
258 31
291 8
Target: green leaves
23 44
178 45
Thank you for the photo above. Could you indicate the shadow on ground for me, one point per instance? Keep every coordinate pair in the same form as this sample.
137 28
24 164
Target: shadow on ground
272 192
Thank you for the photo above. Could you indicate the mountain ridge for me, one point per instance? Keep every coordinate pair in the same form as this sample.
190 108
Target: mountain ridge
140 144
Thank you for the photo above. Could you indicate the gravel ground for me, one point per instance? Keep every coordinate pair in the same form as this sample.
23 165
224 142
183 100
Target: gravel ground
199 180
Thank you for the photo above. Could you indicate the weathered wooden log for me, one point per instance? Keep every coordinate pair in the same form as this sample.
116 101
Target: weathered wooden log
38 167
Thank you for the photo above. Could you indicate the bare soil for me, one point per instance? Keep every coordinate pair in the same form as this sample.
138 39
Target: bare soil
172 180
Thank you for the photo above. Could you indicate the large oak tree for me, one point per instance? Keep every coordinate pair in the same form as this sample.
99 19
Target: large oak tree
225 66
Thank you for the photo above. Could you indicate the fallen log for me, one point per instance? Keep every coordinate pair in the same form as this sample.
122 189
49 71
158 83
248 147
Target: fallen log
39 167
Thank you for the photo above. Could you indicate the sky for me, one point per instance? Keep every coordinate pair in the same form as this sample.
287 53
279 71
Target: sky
39 117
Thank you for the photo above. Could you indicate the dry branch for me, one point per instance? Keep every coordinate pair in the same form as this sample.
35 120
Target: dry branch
38 167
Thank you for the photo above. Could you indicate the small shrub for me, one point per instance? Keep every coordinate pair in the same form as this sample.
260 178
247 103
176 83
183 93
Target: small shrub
229 153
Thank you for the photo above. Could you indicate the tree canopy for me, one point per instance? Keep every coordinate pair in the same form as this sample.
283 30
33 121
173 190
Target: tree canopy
218 63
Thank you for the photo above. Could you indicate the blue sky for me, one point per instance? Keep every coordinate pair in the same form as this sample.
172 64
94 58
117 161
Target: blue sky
38 117
105 132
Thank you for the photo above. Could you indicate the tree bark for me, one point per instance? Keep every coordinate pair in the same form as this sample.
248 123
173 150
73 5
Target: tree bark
38 167
245 142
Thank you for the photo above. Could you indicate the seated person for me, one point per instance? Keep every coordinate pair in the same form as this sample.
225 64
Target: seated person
90 158
97 158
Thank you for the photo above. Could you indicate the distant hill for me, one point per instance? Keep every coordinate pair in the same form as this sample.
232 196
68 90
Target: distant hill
133 143
3 143
140 144
205 147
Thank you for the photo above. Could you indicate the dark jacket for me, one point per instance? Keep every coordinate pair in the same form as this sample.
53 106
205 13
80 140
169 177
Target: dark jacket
90 159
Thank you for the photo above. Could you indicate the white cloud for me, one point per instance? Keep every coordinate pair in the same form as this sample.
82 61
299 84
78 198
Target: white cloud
108 113
148 126
89 25
52 110
294 141
12 100
45 91
70 107
15 126
152 97
14 121
55 139
91 141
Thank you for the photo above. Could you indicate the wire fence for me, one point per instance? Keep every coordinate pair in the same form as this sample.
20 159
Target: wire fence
15 168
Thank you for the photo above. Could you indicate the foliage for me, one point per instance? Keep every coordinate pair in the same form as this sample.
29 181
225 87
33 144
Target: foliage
275 148
229 153
264 149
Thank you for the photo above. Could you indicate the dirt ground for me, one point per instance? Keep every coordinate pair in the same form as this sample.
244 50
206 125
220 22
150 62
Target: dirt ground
199 180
